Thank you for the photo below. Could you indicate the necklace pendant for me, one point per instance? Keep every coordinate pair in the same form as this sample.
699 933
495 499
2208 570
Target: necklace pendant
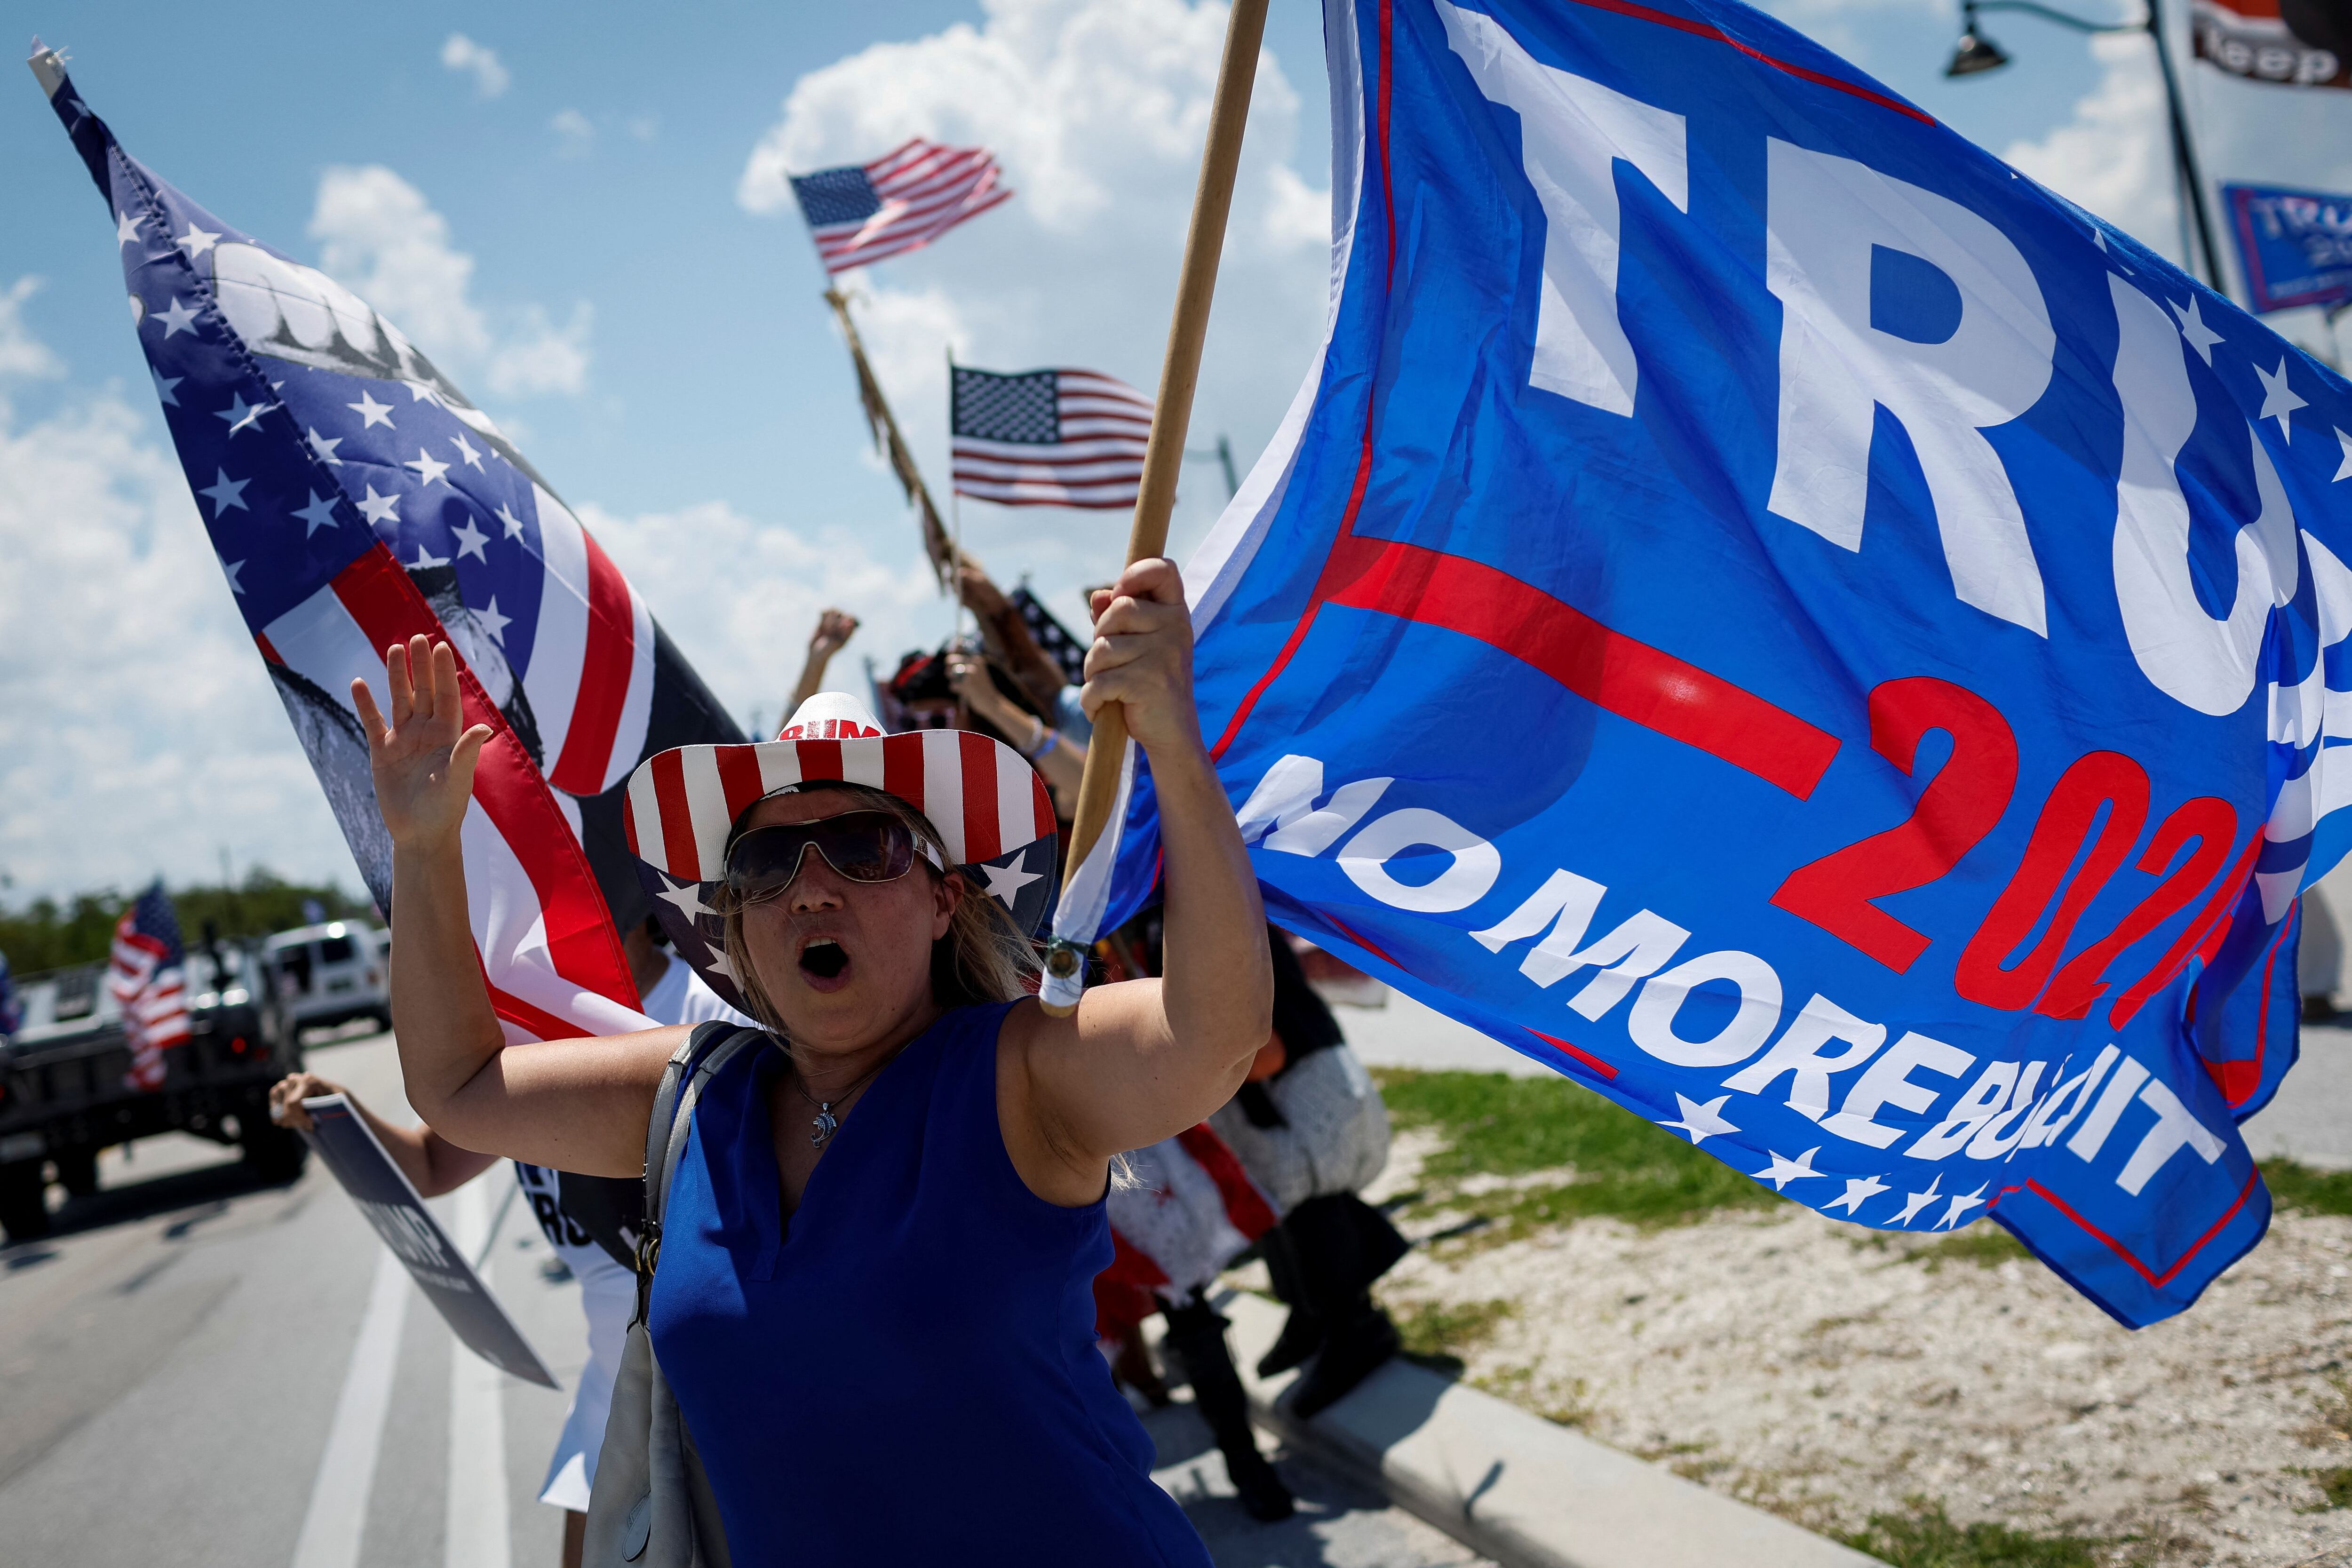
823 1126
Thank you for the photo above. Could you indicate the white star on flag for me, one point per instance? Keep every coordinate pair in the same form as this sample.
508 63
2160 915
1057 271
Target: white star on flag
126 228
179 319
323 448
471 541
164 394
685 896
196 241
379 510
2279 399
1784 1170
374 413
423 391
1858 1191
1005 882
230 569
495 625
514 523
719 965
1961 1204
319 514
1915 1201
1701 1121
225 493
428 468
240 415
473 458
425 560
2192 326
2345 470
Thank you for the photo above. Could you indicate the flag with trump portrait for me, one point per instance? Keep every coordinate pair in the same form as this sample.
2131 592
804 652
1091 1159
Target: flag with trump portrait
1765 609
355 498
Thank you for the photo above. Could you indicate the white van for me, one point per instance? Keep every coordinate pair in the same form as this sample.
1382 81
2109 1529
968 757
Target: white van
329 974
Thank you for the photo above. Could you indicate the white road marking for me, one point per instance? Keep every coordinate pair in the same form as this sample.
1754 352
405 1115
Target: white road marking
475 1533
339 1495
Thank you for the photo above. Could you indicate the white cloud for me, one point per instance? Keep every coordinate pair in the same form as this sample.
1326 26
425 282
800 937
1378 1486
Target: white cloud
140 734
379 237
1098 110
21 353
574 136
2114 157
644 127
461 54
741 596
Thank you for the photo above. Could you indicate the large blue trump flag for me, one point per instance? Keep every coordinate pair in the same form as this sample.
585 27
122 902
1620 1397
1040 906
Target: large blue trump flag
1762 607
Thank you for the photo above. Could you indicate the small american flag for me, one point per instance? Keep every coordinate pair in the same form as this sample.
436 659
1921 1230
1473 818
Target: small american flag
1048 438
904 199
148 977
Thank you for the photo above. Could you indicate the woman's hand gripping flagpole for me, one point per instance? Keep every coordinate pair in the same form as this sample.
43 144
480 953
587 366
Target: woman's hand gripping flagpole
1098 794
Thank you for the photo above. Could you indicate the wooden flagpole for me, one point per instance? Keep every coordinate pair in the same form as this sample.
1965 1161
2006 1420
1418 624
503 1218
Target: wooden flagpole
1196 285
944 553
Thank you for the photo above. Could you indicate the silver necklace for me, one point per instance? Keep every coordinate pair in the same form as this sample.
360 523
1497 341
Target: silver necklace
824 1124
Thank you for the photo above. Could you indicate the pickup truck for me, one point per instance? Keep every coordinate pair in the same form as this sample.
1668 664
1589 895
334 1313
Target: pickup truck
65 1095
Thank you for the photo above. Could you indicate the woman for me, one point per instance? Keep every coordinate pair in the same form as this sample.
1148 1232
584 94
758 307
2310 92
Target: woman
892 1361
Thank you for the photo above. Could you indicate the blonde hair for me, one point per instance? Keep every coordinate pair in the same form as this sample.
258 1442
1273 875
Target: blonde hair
982 957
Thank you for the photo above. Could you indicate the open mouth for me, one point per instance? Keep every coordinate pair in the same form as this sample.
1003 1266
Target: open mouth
824 959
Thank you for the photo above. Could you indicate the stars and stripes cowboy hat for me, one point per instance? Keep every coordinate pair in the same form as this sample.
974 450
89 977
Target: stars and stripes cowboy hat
989 807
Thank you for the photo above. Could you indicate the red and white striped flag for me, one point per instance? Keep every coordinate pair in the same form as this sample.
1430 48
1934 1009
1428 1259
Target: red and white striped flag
1047 437
861 212
147 976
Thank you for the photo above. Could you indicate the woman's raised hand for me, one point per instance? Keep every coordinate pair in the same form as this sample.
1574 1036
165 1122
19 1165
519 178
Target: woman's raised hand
1142 655
424 757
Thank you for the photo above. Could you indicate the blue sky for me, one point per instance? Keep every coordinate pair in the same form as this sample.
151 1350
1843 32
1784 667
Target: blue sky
575 209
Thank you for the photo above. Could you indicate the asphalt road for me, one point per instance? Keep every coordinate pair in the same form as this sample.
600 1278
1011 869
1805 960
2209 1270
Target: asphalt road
198 1371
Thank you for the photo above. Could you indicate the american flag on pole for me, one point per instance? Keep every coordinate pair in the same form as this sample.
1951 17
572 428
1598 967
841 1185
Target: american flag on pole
1048 438
147 976
354 497
861 212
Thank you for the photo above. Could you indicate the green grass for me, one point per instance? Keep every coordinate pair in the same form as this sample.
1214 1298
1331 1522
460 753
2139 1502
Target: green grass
1625 1167
1925 1537
2295 1186
1984 1243
2335 1485
1436 1333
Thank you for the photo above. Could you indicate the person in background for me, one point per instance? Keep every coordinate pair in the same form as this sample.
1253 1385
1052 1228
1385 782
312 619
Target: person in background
1308 1126
1060 759
670 992
834 630
11 1012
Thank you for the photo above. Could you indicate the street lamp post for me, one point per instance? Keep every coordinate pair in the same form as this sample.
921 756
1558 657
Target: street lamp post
1976 53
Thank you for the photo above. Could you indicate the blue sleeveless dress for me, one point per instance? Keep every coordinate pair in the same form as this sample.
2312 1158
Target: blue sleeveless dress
908 1374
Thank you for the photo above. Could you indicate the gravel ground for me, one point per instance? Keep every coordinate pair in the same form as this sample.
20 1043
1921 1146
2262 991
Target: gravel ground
1827 1371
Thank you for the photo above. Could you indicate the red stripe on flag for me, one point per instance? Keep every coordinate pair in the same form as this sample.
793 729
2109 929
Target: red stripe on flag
376 592
1245 1206
2156 1280
1803 73
902 769
537 1021
981 840
1587 1058
606 660
1613 671
1044 801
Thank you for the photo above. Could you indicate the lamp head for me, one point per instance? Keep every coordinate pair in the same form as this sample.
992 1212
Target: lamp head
1975 52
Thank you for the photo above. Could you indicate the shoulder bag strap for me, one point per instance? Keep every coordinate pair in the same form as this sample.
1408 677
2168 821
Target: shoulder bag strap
690 1066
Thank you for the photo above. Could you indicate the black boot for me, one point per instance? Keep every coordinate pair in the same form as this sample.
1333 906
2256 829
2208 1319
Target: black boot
1353 1347
1196 1343
1302 1332
1339 1245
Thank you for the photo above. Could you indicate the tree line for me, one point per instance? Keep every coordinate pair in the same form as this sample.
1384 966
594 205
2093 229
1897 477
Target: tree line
49 934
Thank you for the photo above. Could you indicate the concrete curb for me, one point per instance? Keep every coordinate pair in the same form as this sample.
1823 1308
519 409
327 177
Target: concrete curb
1511 1484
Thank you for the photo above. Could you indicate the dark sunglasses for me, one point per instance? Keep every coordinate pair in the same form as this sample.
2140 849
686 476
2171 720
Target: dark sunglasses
863 846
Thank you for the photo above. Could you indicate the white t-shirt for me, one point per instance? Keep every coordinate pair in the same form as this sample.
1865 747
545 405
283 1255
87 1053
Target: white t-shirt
608 1292
679 997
